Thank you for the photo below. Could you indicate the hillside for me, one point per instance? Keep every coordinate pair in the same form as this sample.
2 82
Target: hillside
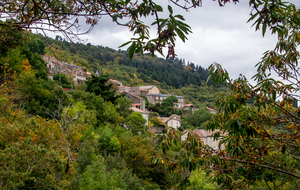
171 76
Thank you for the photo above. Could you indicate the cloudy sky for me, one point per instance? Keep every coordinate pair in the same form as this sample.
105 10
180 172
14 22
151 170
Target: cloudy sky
220 34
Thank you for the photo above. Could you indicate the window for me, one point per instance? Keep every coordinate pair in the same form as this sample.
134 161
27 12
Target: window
157 98
161 98
74 72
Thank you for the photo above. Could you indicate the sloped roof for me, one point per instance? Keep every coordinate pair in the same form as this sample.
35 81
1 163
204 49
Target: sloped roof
74 65
188 105
147 87
210 109
133 95
164 95
164 119
176 117
138 110
52 59
209 133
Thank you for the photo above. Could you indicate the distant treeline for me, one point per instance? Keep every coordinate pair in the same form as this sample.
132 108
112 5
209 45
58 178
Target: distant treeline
176 73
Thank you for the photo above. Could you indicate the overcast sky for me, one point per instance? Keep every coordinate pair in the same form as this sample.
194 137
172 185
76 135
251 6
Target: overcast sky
220 34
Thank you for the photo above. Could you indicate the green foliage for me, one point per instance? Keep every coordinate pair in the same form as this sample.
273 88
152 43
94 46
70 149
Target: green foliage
61 78
11 62
138 152
157 122
196 119
100 86
123 106
167 107
136 123
200 180
169 101
108 141
96 176
147 104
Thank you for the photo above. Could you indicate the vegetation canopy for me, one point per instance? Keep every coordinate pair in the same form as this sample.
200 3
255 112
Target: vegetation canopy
56 139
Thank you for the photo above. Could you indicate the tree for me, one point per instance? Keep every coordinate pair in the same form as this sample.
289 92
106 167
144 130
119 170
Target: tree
100 86
136 123
263 137
65 17
196 119
262 141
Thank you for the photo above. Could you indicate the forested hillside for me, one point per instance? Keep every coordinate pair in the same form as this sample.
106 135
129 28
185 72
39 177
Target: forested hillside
171 76
89 138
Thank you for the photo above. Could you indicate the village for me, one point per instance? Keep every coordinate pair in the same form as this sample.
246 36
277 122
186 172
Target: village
151 92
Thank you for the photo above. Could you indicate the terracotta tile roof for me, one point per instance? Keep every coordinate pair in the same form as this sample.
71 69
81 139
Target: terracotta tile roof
210 109
188 105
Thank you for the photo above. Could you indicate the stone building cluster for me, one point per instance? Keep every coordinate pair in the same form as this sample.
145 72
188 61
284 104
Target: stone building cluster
77 73
153 95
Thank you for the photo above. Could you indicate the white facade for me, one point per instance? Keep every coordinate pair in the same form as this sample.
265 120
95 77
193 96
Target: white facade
174 123
207 138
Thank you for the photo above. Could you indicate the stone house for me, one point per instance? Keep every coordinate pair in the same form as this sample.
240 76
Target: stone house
173 121
138 91
76 72
150 89
137 101
122 89
206 137
116 82
155 98
54 66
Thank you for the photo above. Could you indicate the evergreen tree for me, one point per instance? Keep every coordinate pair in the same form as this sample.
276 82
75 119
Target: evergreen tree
100 86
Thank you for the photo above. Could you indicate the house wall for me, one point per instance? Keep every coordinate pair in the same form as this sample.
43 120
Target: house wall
146 116
135 90
212 143
174 123
136 100
181 103
122 89
154 90
151 99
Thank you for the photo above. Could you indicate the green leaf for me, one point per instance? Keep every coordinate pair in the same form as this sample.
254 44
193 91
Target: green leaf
264 29
180 17
131 50
180 34
158 8
126 43
170 9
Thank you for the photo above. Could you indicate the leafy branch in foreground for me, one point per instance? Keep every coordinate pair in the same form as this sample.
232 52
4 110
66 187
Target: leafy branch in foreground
262 120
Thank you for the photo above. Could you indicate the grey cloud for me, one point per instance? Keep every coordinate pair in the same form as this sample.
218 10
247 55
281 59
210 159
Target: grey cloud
220 34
